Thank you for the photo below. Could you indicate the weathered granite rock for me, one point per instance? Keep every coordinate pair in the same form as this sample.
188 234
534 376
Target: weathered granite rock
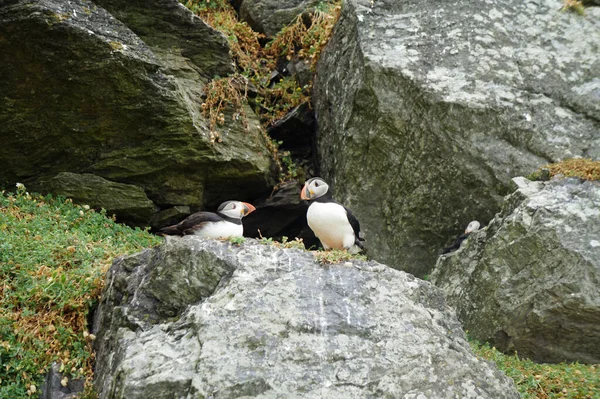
530 282
126 200
201 318
53 389
426 110
270 16
82 93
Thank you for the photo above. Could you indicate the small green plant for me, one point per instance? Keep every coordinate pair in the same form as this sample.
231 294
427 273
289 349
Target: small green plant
296 243
237 240
576 6
535 380
53 259
284 243
336 256
266 241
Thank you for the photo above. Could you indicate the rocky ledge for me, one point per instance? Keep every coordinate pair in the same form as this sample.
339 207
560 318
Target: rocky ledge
201 318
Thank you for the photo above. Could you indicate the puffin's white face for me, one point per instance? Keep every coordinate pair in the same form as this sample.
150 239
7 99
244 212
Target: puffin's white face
314 188
473 226
235 209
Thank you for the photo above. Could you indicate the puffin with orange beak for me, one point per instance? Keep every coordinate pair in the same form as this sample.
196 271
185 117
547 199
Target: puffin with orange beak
333 224
226 222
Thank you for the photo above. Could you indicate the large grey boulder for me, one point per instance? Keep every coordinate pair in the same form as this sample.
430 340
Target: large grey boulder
270 16
201 318
427 110
87 93
530 282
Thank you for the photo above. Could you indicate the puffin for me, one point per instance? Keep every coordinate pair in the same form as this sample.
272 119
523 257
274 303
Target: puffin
471 227
226 222
333 224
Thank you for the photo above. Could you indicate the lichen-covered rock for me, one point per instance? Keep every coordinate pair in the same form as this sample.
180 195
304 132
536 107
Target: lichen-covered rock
426 110
270 16
82 93
200 318
126 200
530 282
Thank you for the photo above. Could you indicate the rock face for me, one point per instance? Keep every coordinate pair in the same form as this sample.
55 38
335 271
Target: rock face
53 389
201 318
270 16
126 200
87 93
426 111
530 282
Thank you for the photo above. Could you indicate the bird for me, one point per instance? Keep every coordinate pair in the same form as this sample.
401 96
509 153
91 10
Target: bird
471 227
226 222
333 224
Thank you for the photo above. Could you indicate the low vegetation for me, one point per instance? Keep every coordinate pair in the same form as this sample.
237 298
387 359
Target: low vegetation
336 256
53 258
296 243
582 168
544 381
271 97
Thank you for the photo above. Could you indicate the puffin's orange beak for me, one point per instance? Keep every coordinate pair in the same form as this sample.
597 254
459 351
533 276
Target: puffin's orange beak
248 208
304 193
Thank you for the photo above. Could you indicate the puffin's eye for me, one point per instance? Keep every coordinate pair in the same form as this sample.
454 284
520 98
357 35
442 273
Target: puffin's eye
232 206
316 184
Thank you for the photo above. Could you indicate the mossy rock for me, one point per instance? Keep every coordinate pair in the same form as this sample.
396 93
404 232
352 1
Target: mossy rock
83 93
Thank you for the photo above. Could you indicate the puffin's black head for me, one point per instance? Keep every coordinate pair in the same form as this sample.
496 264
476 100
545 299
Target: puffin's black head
314 188
235 209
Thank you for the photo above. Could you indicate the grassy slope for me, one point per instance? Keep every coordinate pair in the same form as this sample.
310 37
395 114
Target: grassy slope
53 258
533 380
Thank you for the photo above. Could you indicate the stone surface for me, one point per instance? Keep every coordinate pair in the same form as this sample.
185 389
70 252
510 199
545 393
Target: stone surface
82 93
126 200
427 110
270 16
201 318
170 216
530 282
53 389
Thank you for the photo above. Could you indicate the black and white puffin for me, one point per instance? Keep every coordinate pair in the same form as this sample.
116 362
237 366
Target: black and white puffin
225 223
333 224
471 227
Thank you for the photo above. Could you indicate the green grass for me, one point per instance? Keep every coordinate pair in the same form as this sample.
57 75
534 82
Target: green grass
53 258
535 380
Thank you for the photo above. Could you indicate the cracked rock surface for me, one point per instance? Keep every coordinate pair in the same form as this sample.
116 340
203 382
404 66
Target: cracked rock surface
427 110
201 318
530 282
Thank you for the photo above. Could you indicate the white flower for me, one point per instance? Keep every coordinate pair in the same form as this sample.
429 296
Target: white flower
86 207
80 213
20 186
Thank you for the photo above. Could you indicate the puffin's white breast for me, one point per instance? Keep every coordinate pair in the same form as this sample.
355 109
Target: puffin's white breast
222 229
329 222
